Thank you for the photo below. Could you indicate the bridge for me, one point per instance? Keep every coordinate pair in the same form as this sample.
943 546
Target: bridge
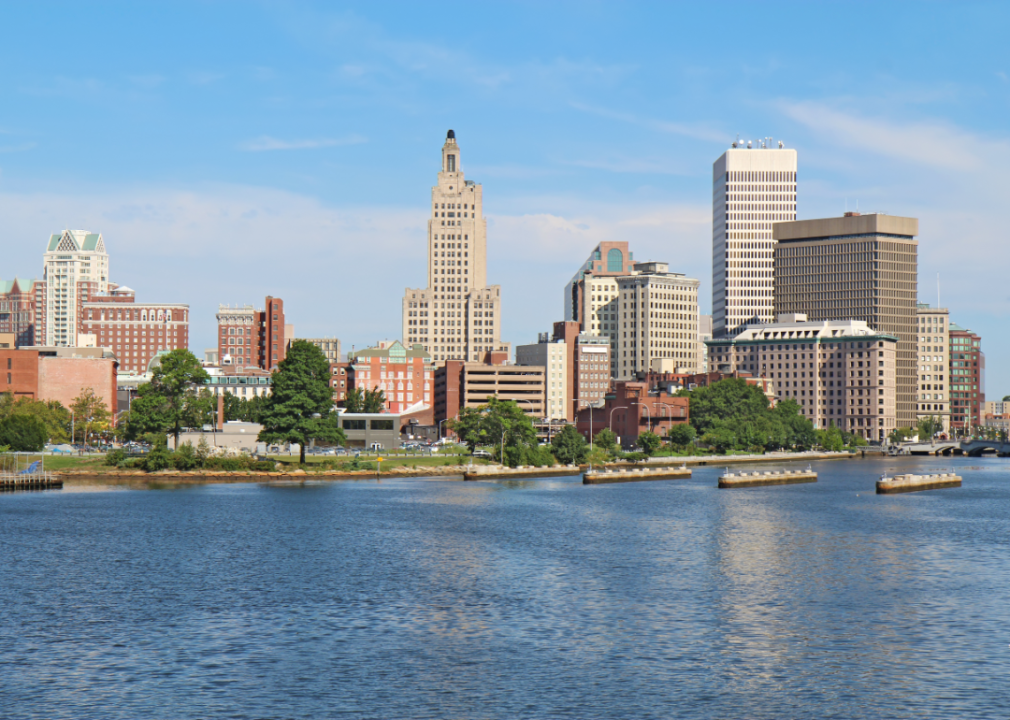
973 448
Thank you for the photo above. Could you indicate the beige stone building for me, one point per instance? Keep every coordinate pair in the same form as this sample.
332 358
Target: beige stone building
552 355
461 384
859 267
753 187
330 347
840 372
457 315
657 321
933 396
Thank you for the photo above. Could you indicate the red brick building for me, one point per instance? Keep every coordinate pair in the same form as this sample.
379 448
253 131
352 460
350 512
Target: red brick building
967 379
134 332
460 384
633 409
18 309
405 375
63 374
250 337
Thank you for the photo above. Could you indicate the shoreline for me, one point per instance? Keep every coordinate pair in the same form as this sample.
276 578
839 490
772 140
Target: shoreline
140 479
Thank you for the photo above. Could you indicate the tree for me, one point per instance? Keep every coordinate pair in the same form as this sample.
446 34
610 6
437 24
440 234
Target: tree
606 440
681 435
649 442
23 433
300 405
728 401
90 413
831 439
163 405
495 423
900 434
799 431
354 400
374 401
929 426
51 412
720 439
569 446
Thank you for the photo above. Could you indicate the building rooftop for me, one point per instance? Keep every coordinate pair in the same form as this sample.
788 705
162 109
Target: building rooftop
849 224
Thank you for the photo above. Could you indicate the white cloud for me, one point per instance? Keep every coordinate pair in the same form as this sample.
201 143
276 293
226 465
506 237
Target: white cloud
20 147
691 130
266 143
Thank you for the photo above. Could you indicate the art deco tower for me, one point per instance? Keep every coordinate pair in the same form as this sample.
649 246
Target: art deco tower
458 315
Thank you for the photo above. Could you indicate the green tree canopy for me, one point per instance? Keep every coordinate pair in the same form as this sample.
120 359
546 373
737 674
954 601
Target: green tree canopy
929 426
681 435
727 401
649 442
23 433
169 400
606 440
719 439
299 407
569 446
90 413
488 424
55 417
358 400
831 439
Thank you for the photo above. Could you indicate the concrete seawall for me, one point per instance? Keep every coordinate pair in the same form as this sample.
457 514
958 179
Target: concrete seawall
916 483
490 472
757 479
600 477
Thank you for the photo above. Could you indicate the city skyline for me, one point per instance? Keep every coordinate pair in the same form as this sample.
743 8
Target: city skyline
249 178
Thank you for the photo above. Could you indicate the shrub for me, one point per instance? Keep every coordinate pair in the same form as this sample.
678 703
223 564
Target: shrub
228 464
23 433
635 457
158 459
115 458
185 458
264 466
649 442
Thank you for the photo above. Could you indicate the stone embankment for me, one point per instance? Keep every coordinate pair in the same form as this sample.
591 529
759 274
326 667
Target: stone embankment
638 474
916 483
759 479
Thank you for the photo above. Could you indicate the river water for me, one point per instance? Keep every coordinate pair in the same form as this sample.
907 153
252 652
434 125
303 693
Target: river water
538 599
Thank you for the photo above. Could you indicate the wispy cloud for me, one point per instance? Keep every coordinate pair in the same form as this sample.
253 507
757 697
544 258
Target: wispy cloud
265 143
692 130
630 165
22 147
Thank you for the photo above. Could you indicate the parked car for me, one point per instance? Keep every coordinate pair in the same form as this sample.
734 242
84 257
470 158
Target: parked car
481 454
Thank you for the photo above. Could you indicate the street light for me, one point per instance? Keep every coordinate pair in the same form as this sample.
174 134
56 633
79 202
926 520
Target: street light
589 405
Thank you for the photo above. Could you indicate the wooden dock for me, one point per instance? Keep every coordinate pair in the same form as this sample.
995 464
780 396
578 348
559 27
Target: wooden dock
916 483
760 479
608 475
31 481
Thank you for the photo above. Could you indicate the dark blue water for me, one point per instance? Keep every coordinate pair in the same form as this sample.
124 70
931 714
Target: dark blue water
540 599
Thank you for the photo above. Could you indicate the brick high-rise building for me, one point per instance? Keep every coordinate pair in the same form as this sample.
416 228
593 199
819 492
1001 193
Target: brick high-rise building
18 302
858 267
134 332
967 379
251 337
753 187
76 267
458 315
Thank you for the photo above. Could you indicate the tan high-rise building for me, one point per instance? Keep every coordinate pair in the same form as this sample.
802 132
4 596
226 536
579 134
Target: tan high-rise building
753 187
458 315
856 267
657 328
933 392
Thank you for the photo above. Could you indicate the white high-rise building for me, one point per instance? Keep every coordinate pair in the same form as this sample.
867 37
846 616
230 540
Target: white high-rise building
458 315
933 393
76 268
753 186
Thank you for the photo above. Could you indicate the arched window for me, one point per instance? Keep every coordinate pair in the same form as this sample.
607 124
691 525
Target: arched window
615 260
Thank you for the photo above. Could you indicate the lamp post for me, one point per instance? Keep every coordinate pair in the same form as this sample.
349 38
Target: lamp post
576 401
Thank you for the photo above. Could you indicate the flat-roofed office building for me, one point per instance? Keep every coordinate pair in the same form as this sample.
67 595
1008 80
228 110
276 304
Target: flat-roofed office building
856 267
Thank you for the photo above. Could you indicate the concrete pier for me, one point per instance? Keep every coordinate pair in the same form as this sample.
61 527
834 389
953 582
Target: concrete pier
32 481
758 479
608 475
915 483
499 472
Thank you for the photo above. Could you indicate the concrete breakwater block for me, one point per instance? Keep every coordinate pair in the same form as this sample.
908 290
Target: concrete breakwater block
492 472
600 477
758 479
916 483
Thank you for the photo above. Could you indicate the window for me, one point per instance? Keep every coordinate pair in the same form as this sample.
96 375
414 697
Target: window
383 424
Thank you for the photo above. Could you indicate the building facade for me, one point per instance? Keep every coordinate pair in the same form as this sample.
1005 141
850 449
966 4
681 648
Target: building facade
550 353
252 337
329 346
469 384
859 267
18 298
457 315
61 374
134 332
933 398
753 187
405 375
967 380
631 409
840 372
658 321
75 268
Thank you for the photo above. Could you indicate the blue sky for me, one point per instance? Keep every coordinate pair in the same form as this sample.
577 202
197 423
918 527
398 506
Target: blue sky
228 151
